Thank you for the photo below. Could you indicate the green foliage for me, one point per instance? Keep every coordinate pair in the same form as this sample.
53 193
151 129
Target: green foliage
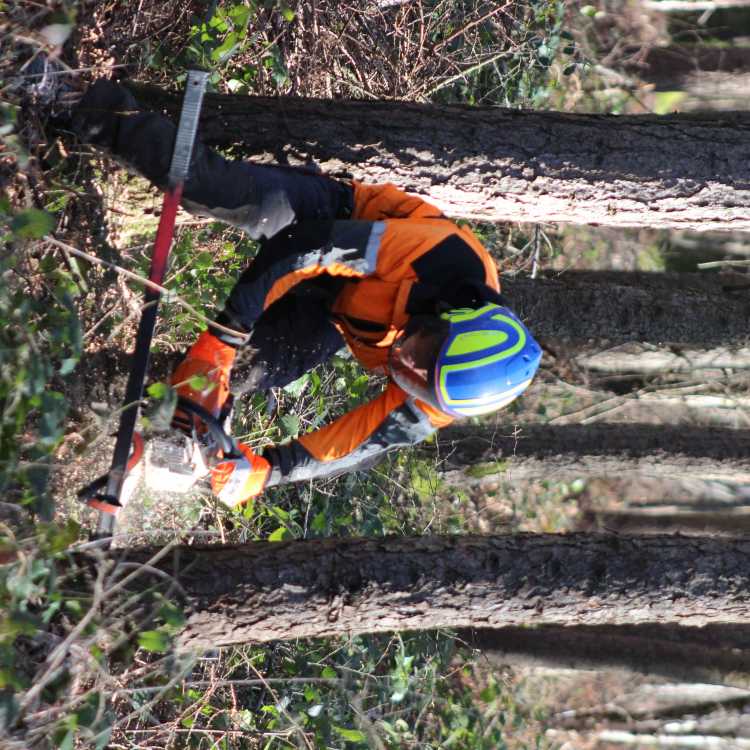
513 68
204 266
224 35
406 691
40 341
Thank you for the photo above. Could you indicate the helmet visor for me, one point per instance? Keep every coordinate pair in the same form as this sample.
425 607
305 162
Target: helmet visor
413 356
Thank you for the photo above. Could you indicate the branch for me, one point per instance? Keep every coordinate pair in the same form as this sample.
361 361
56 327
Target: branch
173 296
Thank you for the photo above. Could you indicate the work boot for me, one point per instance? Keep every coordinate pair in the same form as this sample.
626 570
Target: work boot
109 116
98 115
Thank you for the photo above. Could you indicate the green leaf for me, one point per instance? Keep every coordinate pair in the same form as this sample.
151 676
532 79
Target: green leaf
157 390
279 535
226 49
240 15
172 616
296 387
290 425
329 673
319 522
58 538
350 735
153 640
102 739
204 261
199 382
235 85
32 224
288 14
359 386
577 486
68 741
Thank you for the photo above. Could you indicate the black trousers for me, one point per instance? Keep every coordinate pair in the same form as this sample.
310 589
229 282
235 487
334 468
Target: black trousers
296 333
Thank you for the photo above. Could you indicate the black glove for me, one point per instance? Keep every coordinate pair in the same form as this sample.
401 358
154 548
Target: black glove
109 116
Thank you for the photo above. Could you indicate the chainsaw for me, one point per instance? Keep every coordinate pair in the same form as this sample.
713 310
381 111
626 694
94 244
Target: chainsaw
174 462
106 493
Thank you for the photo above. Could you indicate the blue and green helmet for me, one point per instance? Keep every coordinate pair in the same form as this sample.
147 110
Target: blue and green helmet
488 359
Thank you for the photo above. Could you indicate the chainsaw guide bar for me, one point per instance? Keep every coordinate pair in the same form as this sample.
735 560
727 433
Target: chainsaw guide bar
106 494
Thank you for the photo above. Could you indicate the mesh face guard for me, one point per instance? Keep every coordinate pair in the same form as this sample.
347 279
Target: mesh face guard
413 356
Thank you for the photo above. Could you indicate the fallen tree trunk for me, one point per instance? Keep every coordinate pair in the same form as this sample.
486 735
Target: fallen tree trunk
492 164
490 453
679 67
671 652
265 591
618 308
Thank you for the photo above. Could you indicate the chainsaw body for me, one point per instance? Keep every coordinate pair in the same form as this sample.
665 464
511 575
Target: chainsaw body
173 462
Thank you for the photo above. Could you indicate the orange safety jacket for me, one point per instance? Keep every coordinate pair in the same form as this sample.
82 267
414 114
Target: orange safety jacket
396 257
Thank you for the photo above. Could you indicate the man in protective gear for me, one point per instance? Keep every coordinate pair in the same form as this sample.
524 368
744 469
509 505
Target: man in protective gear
414 296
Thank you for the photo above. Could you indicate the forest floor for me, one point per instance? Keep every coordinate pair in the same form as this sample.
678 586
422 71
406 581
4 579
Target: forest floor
100 210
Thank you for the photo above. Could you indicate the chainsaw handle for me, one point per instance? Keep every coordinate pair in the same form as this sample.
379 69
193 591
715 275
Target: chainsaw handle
223 441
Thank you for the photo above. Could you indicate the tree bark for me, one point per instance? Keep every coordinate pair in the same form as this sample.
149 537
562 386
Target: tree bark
663 651
493 164
666 309
669 520
636 359
488 453
268 591
677 67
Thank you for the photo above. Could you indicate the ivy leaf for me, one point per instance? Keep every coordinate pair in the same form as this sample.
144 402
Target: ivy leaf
157 390
279 535
290 425
171 615
350 735
153 640
296 387
199 382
